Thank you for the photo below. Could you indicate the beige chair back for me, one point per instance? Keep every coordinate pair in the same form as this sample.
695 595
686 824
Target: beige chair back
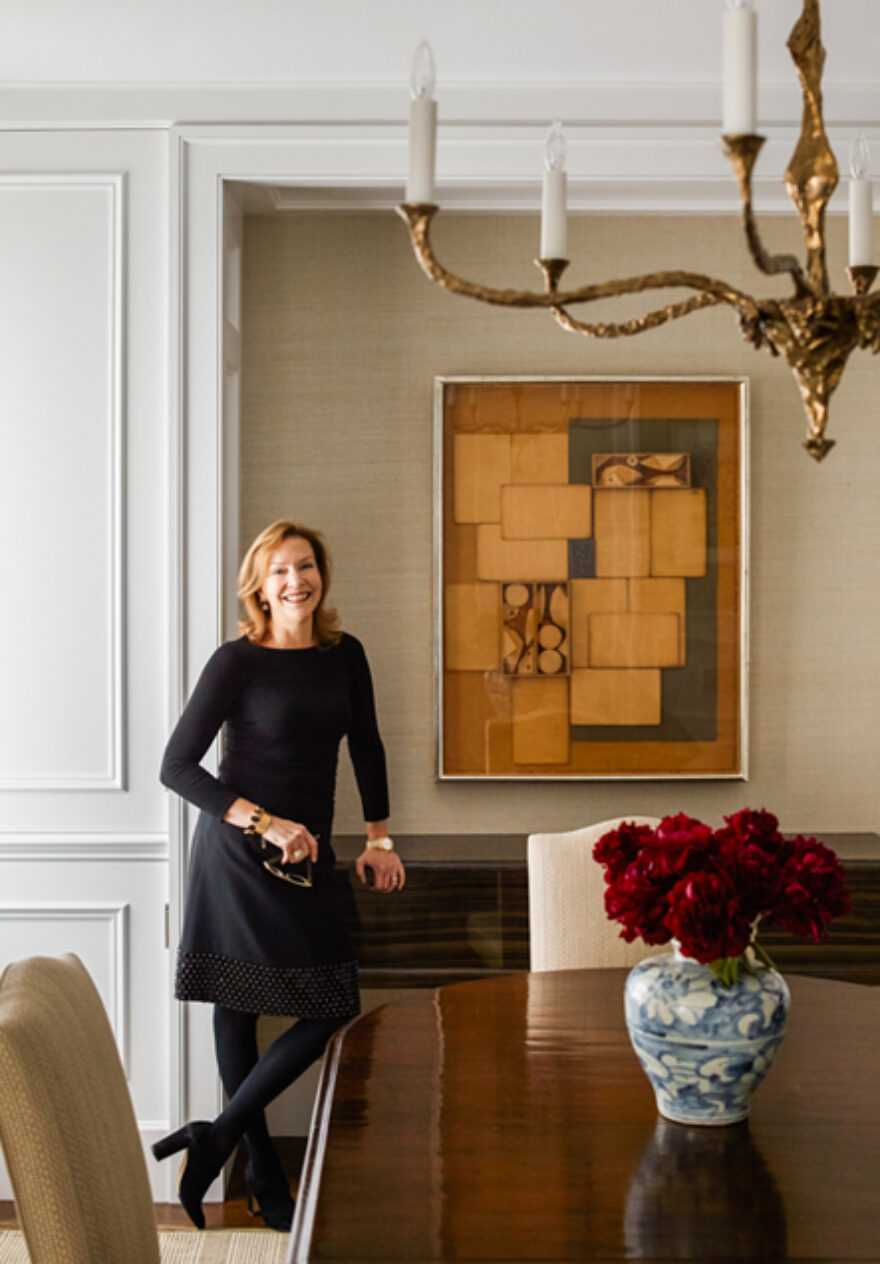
569 928
67 1124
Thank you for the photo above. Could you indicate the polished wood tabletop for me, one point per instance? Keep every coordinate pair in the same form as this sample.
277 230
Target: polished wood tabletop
509 1120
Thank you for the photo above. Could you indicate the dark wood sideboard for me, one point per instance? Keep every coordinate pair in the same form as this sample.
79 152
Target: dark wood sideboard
460 918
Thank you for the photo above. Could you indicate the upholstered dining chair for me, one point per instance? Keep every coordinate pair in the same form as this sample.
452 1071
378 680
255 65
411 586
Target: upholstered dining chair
67 1124
568 925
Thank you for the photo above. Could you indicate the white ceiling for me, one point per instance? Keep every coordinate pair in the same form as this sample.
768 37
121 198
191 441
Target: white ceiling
371 41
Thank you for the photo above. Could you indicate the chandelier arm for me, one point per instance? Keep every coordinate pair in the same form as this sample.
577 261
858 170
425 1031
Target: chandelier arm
743 153
638 325
772 265
419 215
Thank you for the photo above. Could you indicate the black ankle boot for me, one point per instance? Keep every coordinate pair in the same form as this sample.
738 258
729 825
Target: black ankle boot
202 1165
272 1194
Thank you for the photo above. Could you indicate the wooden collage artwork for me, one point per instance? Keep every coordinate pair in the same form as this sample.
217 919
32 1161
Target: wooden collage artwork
565 597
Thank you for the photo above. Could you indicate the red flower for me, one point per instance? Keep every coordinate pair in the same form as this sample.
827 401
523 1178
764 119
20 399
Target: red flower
619 847
813 890
756 874
757 827
706 918
638 902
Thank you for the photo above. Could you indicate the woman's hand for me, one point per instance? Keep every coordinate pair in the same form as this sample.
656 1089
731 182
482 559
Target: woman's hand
388 871
294 840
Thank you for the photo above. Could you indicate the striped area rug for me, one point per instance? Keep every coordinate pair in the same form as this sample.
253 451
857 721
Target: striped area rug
187 1246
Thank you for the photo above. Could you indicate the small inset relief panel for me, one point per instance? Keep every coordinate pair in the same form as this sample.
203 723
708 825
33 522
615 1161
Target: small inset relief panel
481 467
641 469
546 511
498 558
622 528
613 696
534 634
678 533
633 640
473 641
540 721
539 458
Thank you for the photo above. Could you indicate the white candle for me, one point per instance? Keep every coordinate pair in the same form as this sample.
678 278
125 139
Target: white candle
422 127
861 206
740 69
553 221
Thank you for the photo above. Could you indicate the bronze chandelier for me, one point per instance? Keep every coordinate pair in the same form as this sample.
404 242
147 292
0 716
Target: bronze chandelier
814 328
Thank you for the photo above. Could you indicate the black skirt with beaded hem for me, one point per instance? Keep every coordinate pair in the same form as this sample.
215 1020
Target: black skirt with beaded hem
255 943
251 941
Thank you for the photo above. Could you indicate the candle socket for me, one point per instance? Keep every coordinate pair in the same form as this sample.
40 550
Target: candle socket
742 150
552 270
862 277
412 212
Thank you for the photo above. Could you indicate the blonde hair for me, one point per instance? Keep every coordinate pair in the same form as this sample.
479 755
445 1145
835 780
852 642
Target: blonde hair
257 622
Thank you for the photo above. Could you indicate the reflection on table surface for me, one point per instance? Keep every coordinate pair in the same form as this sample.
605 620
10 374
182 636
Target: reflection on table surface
508 1119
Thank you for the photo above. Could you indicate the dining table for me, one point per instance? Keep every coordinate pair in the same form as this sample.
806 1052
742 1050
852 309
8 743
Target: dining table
508 1119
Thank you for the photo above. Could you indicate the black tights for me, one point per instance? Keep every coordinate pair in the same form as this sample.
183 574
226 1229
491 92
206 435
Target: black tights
252 1082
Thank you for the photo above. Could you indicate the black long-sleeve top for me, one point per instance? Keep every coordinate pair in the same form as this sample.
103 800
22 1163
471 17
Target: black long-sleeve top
284 714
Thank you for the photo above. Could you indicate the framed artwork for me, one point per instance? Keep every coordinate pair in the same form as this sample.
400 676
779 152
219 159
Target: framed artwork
591 577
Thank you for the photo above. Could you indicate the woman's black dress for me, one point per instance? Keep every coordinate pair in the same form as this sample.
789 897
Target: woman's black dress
251 941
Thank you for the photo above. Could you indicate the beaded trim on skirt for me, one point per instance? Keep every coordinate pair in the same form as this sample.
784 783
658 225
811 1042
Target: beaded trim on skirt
320 991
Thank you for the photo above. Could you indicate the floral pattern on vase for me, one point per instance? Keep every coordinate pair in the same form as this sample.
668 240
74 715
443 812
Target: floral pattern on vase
705 1047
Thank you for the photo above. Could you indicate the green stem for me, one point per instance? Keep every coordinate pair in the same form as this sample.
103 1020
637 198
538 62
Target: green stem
763 956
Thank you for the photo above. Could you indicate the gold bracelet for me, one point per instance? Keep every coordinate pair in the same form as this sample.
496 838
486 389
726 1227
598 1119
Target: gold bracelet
259 822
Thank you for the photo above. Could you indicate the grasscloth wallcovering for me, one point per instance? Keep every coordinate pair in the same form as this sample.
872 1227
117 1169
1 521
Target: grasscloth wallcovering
342 339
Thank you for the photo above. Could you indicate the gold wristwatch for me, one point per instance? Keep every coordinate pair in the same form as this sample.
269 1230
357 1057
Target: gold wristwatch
381 844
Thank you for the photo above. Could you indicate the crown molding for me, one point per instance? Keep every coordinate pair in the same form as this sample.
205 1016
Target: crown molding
646 104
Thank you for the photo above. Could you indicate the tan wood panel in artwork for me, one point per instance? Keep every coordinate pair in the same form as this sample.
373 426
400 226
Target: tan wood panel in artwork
477 726
622 527
546 511
589 596
657 596
481 465
519 559
615 696
678 532
539 458
472 625
540 721
634 640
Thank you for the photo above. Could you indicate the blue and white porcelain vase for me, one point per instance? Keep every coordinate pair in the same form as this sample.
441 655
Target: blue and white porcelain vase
705 1047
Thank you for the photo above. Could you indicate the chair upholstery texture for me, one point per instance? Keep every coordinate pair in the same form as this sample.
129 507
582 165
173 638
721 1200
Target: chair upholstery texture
568 926
67 1124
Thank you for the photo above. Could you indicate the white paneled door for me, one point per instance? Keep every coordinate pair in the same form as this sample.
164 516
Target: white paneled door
84 571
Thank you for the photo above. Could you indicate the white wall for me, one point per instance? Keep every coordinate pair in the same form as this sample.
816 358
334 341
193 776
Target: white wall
84 520
349 41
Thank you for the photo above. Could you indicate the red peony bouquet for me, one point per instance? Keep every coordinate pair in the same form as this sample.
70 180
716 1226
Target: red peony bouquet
709 889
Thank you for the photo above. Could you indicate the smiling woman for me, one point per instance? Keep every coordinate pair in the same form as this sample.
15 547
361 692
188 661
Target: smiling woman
283 584
264 931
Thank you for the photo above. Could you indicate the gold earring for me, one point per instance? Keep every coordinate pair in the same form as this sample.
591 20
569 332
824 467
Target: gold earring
264 605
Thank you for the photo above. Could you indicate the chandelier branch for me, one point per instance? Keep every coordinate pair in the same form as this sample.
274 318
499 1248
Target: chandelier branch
639 324
743 153
419 217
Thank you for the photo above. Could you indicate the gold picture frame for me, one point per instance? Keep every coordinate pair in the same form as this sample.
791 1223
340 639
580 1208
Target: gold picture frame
591 545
